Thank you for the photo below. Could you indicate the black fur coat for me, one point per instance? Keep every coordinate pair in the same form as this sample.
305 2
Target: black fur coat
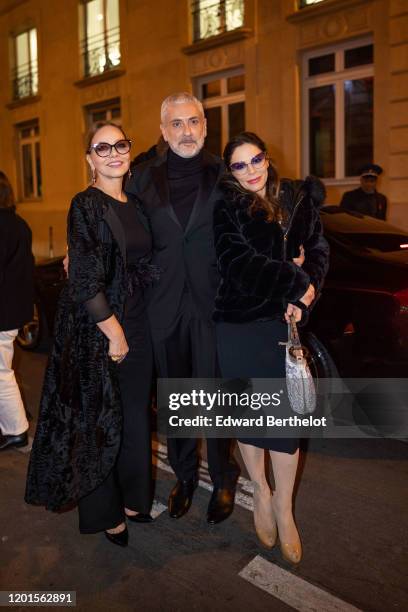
79 427
258 276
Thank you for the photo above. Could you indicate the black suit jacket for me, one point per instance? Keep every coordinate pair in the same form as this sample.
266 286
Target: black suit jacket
186 257
372 204
16 271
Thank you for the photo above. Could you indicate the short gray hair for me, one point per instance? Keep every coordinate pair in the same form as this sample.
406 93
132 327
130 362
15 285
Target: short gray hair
181 97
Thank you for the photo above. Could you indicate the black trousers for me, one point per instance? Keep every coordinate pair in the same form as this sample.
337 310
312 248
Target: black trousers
188 350
129 484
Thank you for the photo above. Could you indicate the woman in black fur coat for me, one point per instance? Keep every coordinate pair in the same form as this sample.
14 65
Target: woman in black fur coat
272 258
92 445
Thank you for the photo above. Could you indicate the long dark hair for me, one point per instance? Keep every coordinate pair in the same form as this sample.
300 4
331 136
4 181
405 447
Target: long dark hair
6 193
95 128
269 204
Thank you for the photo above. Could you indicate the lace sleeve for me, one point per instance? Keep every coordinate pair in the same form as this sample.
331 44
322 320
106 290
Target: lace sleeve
98 307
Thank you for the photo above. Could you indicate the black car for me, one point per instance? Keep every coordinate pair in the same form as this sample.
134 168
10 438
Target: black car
359 325
49 280
362 315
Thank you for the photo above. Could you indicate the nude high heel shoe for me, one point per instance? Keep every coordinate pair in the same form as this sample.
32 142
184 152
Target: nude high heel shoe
291 549
264 520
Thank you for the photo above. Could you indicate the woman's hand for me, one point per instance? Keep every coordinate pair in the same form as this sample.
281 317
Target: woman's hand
299 261
293 310
118 348
309 296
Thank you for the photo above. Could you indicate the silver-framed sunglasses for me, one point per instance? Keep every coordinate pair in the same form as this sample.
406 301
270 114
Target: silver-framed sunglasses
104 149
257 163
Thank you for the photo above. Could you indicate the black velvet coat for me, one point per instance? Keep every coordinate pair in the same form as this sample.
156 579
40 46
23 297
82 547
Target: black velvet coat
79 428
258 277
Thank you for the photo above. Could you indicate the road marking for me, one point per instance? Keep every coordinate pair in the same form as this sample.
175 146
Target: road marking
291 589
279 583
243 484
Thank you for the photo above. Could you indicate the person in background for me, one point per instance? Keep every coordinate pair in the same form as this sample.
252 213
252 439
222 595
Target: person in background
272 258
16 309
366 199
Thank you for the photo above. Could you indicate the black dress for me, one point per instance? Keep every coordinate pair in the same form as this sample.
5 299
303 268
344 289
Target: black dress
129 483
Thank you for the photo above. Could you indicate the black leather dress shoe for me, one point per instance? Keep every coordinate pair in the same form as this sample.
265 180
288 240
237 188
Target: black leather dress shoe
16 441
221 505
181 497
120 539
140 517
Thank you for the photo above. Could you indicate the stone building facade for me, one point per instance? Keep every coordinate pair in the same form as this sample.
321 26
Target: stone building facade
325 83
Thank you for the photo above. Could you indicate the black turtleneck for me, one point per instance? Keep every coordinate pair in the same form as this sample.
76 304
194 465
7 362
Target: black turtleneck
184 175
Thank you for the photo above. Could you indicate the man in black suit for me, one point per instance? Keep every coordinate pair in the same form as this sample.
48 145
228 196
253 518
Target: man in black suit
366 199
178 191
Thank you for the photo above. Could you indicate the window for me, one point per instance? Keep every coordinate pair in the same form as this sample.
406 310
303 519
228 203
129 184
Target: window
29 171
105 111
303 3
223 98
338 94
25 73
100 47
212 17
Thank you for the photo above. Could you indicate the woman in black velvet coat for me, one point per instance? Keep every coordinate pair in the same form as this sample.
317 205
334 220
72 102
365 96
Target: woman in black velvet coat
92 445
272 258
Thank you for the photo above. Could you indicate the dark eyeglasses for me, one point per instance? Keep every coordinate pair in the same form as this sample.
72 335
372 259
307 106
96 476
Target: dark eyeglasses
104 149
256 162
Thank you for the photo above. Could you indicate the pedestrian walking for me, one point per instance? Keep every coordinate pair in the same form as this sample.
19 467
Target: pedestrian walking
16 309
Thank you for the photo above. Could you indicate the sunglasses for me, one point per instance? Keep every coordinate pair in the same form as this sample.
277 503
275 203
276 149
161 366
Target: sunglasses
256 162
104 149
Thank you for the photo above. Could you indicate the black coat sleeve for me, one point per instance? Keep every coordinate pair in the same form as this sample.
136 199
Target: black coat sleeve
86 272
347 201
252 272
317 251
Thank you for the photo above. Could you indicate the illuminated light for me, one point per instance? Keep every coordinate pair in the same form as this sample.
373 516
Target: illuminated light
402 297
99 17
403 246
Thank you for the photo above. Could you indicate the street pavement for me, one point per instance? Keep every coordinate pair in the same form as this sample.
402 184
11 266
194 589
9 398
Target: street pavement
351 509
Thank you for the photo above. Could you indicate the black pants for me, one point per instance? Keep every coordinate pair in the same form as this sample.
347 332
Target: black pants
130 482
188 350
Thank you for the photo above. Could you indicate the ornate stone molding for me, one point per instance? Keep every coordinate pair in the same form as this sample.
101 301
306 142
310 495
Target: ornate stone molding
325 8
334 21
214 60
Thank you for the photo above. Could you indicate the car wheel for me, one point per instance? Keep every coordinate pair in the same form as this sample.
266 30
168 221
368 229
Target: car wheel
30 335
320 362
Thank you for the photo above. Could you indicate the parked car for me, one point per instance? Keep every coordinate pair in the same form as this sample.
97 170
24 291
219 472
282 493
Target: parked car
362 315
359 325
49 279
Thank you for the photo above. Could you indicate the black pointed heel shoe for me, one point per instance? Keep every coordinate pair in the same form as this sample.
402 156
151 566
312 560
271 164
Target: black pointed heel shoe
120 539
